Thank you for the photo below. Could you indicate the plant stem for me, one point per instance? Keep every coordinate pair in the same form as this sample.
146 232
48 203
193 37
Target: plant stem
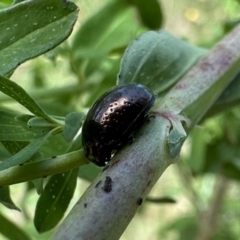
34 170
111 201
108 205
203 84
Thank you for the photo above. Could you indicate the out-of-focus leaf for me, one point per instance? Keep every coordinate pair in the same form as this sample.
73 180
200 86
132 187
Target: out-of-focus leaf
158 60
112 27
16 92
12 231
223 157
108 80
55 145
223 153
73 123
27 152
198 150
89 172
231 93
31 28
186 227
5 3
54 200
6 200
231 169
229 25
150 12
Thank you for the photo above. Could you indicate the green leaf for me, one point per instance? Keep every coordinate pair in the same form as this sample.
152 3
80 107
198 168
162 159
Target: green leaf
12 231
38 184
73 123
54 200
6 200
150 12
14 147
16 92
157 60
89 172
27 152
221 151
231 93
31 28
56 145
11 129
112 27
40 125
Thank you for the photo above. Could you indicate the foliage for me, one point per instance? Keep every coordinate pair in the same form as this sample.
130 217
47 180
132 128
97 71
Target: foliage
40 121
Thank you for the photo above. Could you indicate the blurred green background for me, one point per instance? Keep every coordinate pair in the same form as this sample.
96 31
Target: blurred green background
205 182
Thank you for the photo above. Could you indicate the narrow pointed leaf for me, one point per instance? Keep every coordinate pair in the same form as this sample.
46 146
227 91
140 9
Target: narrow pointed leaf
14 147
26 153
16 92
12 130
54 201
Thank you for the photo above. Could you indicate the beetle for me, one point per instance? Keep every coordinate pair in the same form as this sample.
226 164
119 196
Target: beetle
112 120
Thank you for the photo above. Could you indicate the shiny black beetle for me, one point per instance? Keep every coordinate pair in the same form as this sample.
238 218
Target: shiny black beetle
113 119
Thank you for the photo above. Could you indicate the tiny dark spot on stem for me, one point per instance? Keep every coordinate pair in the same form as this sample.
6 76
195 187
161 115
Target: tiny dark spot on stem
105 168
21 164
54 156
85 205
98 183
139 201
107 185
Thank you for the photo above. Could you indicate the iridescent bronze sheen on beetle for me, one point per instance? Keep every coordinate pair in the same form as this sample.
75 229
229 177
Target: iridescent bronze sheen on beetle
112 120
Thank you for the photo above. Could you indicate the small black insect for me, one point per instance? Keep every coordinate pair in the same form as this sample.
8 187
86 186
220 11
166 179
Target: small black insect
113 119
107 187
